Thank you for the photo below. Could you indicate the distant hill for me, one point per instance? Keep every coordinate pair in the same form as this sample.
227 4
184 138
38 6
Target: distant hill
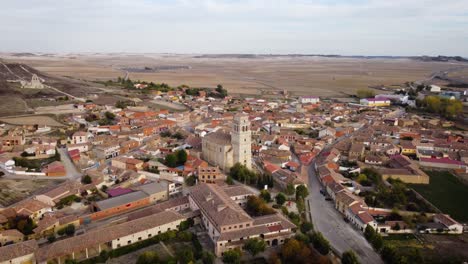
442 58
16 100
259 56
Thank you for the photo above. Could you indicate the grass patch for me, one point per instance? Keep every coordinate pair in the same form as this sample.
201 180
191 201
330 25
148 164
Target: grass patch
446 192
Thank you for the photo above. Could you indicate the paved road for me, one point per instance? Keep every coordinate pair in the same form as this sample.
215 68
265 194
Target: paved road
72 172
330 223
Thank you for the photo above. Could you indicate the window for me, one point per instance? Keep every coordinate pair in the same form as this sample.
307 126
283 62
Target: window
149 235
139 238
159 232
241 226
229 227
129 242
247 225
118 245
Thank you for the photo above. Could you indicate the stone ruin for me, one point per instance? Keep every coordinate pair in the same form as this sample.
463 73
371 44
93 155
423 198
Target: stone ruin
35 83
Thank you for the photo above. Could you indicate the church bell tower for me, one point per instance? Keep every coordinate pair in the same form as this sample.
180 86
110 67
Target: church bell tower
241 138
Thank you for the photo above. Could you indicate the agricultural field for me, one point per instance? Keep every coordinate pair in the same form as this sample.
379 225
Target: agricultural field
250 75
446 192
432 248
12 191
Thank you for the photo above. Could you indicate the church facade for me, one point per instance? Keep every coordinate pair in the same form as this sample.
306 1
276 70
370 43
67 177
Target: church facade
226 149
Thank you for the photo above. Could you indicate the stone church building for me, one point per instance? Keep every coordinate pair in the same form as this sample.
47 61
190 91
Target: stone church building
226 149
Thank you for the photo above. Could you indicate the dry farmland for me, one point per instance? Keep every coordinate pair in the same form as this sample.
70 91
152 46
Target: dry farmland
247 75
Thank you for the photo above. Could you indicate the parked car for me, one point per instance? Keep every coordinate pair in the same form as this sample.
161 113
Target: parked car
328 198
322 191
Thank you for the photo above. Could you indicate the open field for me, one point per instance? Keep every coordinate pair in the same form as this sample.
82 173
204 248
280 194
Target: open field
12 191
433 248
446 192
32 120
11 105
247 75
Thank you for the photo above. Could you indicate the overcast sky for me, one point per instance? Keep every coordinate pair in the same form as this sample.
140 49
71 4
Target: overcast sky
347 27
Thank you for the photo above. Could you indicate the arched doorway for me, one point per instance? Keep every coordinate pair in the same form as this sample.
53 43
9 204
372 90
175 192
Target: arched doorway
274 242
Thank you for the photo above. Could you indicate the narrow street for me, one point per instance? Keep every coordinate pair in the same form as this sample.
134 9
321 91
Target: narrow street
72 172
330 223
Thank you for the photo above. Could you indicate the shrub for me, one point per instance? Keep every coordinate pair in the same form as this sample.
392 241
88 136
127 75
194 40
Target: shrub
51 238
148 257
255 246
306 227
280 198
86 179
320 243
265 195
349 257
232 256
191 180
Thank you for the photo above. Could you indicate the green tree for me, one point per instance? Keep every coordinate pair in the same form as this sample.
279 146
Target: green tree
301 192
255 246
320 243
432 103
373 237
221 91
70 230
232 256
109 115
290 189
181 157
191 180
300 205
148 257
306 227
280 199
208 257
51 238
349 257
86 179
389 255
454 109
186 256
229 180
265 195
171 160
